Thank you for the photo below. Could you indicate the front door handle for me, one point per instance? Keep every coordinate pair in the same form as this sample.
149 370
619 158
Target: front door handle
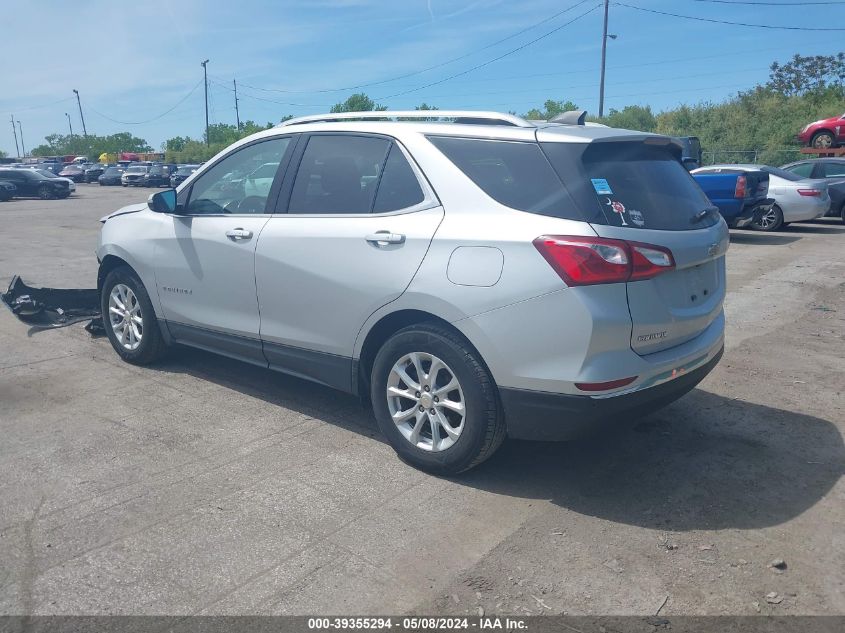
238 234
385 237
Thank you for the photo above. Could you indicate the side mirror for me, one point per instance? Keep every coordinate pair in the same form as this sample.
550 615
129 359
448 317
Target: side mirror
163 201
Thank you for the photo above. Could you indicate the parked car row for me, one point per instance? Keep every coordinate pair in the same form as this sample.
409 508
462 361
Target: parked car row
769 198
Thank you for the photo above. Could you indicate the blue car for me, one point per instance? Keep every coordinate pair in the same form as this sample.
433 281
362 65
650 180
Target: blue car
739 193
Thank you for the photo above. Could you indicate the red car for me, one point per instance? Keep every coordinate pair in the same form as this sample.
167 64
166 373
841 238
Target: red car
825 133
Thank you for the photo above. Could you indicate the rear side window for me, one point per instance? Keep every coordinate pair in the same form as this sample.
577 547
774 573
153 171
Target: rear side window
513 173
632 184
802 169
338 174
399 187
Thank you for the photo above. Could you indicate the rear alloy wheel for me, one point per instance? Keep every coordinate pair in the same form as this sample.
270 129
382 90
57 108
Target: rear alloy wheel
842 214
435 401
770 220
823 140
44 192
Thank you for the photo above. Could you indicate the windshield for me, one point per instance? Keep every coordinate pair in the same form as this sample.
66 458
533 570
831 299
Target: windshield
138 169
186 171
113 171
45 172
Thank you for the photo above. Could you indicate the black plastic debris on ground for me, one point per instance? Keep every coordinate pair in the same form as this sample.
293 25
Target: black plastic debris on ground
49 308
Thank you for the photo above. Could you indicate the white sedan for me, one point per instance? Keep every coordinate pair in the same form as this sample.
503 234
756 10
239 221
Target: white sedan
797 199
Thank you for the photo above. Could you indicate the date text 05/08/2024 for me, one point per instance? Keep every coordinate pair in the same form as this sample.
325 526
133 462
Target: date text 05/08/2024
418 623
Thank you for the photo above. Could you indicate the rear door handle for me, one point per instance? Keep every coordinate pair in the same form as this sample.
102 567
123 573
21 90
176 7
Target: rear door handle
238 234
385 237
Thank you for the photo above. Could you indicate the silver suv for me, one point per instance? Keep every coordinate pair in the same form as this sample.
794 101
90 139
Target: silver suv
472 274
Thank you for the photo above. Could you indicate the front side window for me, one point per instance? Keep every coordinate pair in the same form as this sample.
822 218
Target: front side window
230 186
833 170
338 174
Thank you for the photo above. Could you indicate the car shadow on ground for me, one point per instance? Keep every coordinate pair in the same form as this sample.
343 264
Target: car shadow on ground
705 462
826 228
303 396
761 239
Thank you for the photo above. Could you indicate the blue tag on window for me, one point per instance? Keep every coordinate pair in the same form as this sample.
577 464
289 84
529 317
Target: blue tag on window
601 186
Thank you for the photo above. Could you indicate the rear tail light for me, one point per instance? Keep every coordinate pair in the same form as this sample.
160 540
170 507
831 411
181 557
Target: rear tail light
810 192
739 192
587 261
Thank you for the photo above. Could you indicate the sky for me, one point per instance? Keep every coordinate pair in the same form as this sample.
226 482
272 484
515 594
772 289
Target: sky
137 64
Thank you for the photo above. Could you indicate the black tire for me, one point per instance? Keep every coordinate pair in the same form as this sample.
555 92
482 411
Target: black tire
45 193
758 223
842 214
823 140
484 425
152 345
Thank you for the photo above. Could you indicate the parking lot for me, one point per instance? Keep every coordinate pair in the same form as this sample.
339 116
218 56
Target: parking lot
206 486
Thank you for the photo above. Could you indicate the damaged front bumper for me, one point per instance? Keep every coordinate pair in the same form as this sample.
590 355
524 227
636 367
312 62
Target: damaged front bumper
49 308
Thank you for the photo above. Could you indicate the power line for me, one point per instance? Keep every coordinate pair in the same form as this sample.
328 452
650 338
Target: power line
45 105
495 59
429 68
246 94
715 21
617 83
155 118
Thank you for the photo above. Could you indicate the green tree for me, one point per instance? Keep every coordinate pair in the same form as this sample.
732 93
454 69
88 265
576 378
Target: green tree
183 149
359 102
425 106
633 117
802 75
91 146
3 154
551 109
175 144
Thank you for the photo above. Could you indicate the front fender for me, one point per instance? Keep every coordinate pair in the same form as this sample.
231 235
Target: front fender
132 239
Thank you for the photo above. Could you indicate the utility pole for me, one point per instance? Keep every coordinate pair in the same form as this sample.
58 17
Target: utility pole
23 147
69 124
603 56
15 132
205 78
79 103
237 113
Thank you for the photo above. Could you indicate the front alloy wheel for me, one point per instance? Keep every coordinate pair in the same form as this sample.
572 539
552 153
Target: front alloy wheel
823 140
125 317
426 401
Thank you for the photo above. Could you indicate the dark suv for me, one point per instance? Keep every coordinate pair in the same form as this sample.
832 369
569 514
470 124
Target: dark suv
159 175
29 183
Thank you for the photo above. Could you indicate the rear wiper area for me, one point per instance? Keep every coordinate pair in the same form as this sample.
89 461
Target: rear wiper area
698 217
48 308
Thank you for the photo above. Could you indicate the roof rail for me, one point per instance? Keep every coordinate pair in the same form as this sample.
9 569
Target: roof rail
570 117
466 117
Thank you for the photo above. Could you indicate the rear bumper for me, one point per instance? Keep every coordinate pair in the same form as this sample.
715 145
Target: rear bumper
746 216
538 415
